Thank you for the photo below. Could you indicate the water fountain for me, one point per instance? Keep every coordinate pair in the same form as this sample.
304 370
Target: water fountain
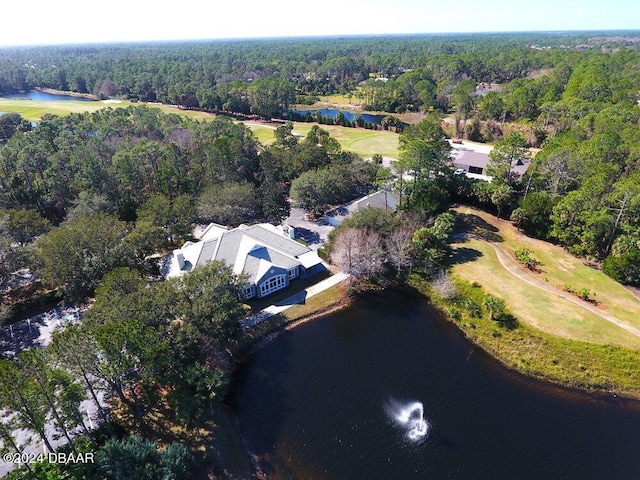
410 416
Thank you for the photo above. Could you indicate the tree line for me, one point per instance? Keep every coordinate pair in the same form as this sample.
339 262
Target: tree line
264 77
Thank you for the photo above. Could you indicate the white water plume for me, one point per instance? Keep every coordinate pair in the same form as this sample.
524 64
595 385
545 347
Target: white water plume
410 417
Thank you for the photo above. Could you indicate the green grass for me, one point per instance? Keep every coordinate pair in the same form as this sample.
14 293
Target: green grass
296 286
340 100
364 142
358 140
35 110
559 267
538 308
322 301
263 133
533 352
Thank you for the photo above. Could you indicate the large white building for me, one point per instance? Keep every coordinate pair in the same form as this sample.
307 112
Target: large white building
264 253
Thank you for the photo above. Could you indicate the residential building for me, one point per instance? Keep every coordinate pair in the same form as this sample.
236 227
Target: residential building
383 199
475 164
264 253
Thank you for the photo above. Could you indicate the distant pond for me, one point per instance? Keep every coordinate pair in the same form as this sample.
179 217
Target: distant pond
333 113
45 96
387 389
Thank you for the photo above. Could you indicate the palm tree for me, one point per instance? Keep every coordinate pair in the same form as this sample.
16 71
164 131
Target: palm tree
495 306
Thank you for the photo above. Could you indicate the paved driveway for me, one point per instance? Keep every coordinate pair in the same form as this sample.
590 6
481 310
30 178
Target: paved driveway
313 233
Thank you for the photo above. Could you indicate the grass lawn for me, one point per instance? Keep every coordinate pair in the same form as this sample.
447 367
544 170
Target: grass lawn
560 268
296 286
538 308
359 140
339 99
263 133
364 142
330 297
35 110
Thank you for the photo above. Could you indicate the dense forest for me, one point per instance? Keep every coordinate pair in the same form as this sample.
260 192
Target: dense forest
264 77
88 202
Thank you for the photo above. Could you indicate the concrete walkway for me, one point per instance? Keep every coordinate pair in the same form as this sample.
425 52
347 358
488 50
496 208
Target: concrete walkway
296 299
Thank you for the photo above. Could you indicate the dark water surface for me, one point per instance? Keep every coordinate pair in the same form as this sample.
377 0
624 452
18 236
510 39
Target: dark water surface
351 116
317 402
44 96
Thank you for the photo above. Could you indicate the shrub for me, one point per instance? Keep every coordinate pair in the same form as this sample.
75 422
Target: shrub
473 308
444 286
523 255
584 294
454 313
624 268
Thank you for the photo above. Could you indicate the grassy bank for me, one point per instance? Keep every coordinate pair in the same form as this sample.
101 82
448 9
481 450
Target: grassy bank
476 260
571 363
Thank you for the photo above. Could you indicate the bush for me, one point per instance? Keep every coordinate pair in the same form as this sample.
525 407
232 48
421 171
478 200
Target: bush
584 294
523 255
444 286
624 268
473 308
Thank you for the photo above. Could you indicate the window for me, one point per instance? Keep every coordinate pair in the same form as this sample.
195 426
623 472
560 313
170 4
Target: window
293 273
248 291
273 284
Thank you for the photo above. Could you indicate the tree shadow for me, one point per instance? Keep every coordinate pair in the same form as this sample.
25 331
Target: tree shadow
508 321
307 235
477 226
462 255
259 379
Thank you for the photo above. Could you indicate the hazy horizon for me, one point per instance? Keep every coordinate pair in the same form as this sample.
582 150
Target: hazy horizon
73 22
311 37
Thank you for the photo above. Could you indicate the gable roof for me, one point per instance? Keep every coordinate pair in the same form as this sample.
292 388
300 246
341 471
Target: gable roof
249 250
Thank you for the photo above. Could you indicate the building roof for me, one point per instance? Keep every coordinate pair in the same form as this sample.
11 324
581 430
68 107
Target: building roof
382 199
250 250
468 158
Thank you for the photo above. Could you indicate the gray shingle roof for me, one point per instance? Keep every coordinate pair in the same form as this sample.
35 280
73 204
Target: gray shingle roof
206 254
280 242
253 251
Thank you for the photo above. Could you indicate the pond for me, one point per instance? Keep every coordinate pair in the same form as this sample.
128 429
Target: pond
45 96
351 116
388 389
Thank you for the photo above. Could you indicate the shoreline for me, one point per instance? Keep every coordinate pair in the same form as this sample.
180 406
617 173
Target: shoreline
280 323
53 91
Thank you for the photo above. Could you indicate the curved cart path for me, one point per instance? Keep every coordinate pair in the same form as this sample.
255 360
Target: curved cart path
515 269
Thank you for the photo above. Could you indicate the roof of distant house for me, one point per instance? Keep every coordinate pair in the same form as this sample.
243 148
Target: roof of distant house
471 159
382 199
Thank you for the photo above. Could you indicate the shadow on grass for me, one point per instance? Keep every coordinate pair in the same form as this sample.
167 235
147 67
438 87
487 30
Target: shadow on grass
462 255
475 225
299 298
284 295
508 321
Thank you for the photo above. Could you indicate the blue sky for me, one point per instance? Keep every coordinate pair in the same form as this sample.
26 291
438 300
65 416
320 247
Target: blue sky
40 22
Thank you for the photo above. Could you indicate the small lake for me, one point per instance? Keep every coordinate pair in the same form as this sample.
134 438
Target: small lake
351 116
387 389
45 97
